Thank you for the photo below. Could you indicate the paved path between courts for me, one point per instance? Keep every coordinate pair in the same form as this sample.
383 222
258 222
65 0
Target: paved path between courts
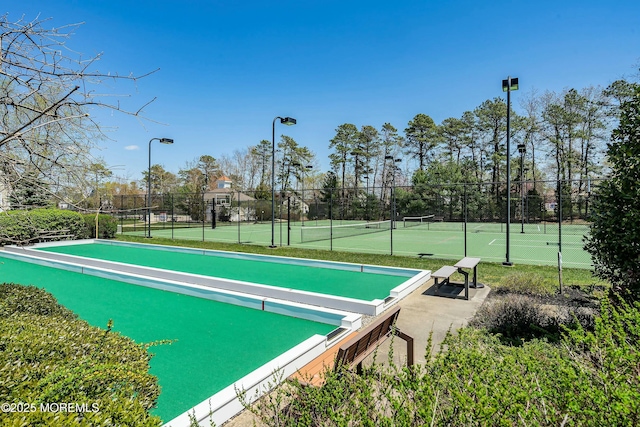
421 314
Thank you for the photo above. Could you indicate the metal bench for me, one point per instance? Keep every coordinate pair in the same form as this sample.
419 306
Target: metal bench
50 235
445 273
442 275
469 263
53 235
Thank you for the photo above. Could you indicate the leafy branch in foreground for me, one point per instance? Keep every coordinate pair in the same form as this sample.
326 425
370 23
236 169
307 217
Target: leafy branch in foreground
589 378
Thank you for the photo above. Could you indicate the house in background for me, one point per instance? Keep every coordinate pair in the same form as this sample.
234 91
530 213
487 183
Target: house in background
230 205
223 182
297 204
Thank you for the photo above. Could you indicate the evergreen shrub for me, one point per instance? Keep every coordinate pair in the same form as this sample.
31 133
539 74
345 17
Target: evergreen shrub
107 226
23 227
49 357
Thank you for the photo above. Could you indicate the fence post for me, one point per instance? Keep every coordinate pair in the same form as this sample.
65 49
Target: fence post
464 208
121 217
508 262
330 219
204 213
560 207
173 218
280 215
560 270
393 209
288 220
213 213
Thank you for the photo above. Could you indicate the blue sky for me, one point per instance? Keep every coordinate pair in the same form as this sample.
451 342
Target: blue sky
227 68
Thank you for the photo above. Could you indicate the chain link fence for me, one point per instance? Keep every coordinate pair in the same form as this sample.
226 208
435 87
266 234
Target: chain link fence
446 221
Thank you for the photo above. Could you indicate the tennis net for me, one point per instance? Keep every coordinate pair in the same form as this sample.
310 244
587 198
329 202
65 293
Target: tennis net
314 234
413 221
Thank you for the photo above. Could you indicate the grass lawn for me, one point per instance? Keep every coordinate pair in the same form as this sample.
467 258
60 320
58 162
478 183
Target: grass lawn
493 274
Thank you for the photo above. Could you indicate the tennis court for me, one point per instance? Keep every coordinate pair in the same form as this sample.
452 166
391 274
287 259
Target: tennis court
536 244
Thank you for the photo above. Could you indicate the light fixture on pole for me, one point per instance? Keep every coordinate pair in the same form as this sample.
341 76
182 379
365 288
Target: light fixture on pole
162 141
507 86
289 122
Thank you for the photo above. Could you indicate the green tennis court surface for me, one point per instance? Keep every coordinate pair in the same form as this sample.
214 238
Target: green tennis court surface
537 245
215 343
351 284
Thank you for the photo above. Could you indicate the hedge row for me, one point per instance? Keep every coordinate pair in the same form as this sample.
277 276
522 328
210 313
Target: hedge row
26 227
49 356
107 226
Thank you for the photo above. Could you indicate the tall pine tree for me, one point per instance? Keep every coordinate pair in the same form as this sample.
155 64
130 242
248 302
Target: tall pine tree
30 192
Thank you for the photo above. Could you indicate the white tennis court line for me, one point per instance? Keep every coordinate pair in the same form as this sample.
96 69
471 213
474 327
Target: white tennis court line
536 243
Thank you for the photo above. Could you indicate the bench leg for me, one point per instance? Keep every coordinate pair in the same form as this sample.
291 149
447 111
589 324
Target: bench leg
475 279
438 285
409 340
466 283
475 276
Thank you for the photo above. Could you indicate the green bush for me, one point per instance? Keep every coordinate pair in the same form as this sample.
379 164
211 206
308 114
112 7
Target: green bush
589 379
15 228
19 299
107 226
25 227
48 356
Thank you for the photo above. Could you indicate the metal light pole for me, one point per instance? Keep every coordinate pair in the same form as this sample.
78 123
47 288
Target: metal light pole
507 86
205 186
289 122
394 168
522 149
366 177
162 141
304 175
297 169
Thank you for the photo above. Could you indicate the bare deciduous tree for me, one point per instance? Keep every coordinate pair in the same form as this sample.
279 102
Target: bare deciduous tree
47 92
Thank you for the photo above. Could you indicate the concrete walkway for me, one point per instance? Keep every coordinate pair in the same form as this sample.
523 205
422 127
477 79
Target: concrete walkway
421 314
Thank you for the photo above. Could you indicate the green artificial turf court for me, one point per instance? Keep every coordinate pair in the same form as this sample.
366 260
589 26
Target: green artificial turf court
215 343
351 284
